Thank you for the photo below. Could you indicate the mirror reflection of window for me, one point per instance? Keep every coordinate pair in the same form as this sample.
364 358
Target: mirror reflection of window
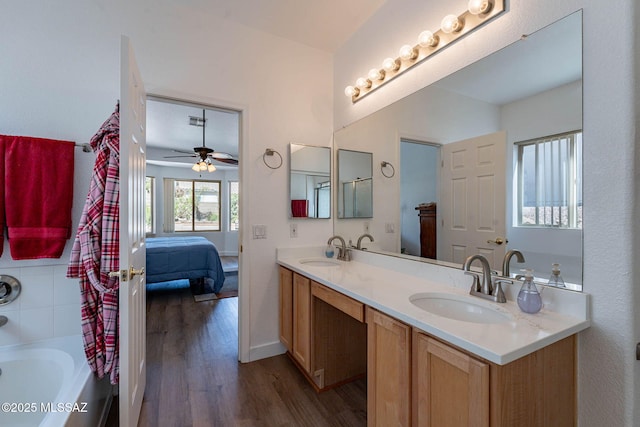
549 184
310 181
355 184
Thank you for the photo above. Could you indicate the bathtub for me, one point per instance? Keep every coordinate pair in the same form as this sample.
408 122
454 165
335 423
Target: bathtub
48 383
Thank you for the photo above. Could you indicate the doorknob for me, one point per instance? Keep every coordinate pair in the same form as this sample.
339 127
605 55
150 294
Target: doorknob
125 275
134 272
498 241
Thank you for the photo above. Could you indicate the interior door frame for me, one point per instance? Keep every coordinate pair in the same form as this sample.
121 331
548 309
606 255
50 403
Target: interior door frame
244 294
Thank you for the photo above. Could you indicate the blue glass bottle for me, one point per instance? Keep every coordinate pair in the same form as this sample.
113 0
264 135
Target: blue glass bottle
529 299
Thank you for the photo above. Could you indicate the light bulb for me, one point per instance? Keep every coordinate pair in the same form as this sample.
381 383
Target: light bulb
375 74
451 24
363 83
477 7
351 91
428 39
202 166
408 52
196 167
391 64
210 167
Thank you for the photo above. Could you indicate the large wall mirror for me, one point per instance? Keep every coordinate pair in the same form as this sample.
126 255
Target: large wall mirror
512 121
355 184
309 181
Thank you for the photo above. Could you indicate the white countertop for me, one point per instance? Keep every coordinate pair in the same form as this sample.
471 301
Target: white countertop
388 290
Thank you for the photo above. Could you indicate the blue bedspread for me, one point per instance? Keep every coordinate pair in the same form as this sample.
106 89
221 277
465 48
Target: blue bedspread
189 257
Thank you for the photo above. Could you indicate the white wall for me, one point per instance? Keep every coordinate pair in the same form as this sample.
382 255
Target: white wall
60 79
608 375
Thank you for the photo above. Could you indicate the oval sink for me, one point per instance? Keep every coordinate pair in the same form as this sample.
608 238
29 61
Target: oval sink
457 307
320 262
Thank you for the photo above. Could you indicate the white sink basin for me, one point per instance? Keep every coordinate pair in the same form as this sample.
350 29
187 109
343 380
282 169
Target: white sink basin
458 307
320 262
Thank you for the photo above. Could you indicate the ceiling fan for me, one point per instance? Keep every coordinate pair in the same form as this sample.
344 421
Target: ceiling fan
205 153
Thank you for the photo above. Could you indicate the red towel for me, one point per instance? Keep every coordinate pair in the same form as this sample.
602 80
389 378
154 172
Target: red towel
38 194
299 208
1 195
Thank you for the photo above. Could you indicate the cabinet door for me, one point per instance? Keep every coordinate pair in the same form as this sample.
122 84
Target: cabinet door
302 321
286 308
450 388
388 371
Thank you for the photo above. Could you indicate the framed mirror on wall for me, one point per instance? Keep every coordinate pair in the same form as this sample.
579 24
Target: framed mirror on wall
526 93
309 181
355 184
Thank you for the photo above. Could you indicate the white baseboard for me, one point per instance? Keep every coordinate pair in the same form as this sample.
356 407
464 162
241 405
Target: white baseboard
228 253
266 350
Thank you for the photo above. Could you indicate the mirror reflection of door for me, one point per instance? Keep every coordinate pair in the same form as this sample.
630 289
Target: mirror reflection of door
419 170
472 199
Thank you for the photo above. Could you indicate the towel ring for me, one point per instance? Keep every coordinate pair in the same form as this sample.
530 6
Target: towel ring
271 152
384 165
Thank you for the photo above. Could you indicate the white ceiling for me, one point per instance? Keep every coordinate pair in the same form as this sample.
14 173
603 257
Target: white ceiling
324 25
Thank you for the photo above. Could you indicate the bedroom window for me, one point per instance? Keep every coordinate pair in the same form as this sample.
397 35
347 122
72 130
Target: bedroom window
549 181
234 194
149 205
196 205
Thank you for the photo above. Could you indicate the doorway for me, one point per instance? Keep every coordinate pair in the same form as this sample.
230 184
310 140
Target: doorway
193 159
419 174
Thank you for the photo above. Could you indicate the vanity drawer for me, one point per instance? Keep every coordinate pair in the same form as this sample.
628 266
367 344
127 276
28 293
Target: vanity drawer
342 302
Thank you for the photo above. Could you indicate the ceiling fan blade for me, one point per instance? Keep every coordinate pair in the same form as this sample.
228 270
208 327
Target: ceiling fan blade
220 155
228 161
175 157
182 151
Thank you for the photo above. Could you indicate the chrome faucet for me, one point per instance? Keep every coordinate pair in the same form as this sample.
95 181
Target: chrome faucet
367 235
507 260
485 289
344 254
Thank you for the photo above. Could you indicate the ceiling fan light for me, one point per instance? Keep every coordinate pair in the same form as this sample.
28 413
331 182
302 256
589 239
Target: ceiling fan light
210 167
196 167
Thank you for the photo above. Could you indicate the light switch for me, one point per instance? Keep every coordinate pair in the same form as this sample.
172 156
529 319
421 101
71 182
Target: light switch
259 231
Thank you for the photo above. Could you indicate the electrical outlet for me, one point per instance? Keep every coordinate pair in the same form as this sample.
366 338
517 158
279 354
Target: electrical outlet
366 227
293 230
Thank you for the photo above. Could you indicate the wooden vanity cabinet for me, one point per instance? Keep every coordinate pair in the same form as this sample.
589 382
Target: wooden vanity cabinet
453 388
301 346
323 330
388 371
286 308
450 388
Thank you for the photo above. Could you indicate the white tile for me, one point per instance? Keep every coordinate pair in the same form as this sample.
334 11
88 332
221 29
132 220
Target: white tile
36 324
10 333
37 287
65 290
67 320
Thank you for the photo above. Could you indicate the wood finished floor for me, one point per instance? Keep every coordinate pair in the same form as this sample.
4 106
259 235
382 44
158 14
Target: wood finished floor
194 378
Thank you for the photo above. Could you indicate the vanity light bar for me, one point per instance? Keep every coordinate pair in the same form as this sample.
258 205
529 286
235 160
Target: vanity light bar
453 27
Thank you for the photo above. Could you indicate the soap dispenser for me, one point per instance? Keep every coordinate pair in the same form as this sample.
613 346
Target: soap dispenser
529 299
556 278
328 251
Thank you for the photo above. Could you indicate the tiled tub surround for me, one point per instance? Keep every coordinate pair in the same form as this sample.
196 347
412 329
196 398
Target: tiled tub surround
48 305
386 283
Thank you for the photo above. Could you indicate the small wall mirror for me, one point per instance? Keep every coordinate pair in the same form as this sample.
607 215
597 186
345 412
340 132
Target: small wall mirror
309 181
355 184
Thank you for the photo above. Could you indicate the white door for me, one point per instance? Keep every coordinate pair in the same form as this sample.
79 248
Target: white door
132 245
472 199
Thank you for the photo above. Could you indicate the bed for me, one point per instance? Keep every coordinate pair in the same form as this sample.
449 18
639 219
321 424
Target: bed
189 257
